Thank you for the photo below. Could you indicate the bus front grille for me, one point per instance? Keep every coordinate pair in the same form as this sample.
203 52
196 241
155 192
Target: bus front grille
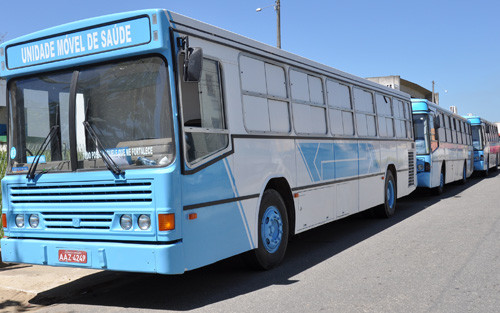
134 192
77 220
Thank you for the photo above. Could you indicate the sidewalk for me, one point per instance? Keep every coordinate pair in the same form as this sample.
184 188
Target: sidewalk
21 282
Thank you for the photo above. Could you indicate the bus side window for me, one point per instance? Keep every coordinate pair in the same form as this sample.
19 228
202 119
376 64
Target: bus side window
384 112
308 105
442 129
340 108
203 113
409 119
447 128
464 133
459 131
365 113
265 101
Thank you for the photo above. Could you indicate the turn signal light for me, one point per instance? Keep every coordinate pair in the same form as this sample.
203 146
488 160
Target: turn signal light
4 220
166 222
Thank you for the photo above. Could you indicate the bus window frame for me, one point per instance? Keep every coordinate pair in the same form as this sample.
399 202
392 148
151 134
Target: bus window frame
201 163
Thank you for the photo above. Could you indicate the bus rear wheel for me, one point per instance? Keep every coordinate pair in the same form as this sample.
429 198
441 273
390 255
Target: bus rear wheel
273 232
390 196
464 175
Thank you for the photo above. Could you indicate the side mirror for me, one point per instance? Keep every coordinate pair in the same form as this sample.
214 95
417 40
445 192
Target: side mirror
193 64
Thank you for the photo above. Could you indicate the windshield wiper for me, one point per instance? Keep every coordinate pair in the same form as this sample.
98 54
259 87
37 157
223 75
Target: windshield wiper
111 165
45 143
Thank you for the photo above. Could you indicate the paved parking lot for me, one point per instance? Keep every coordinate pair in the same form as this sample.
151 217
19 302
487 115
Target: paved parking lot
438 254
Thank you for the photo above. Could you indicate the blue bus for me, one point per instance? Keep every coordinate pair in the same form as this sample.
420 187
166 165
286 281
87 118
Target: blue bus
444 146
486 144
151 142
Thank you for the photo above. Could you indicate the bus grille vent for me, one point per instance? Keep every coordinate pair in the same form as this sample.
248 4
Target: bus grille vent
411 169
77 220
92 193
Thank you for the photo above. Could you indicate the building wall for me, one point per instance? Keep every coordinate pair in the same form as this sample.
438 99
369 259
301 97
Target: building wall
414 90
413 93
388 81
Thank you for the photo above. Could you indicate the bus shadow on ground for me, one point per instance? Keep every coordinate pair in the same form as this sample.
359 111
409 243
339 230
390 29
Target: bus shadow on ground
231 278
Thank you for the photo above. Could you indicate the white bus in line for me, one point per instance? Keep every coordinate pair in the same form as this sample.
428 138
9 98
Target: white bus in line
310 143
265 144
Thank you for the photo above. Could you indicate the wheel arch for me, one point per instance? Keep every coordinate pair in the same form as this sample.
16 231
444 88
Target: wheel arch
392 168
281 185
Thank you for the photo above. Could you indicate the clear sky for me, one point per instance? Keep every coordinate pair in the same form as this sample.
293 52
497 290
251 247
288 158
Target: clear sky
456 43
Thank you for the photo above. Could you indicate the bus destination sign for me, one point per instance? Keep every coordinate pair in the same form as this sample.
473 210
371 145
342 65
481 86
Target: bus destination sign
90 41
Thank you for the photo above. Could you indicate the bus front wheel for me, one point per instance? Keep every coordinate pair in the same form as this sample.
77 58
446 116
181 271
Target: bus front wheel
273 232
440 188
486 172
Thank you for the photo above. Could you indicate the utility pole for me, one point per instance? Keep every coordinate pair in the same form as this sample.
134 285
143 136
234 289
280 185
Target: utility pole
277 7
433 97
278 18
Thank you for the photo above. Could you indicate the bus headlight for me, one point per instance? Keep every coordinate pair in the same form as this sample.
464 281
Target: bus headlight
20 220
427 167
144 222
420 167
34 220
126 222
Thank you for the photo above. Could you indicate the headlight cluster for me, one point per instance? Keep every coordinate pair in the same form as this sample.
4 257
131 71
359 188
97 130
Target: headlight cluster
143 222
33 220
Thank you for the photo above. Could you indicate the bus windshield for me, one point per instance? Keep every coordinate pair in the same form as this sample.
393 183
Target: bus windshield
477 138
126 104
421 128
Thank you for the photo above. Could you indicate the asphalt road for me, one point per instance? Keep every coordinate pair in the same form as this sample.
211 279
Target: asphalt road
437 254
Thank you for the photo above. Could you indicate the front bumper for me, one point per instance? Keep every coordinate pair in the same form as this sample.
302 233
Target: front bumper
479 165
132 257
424 180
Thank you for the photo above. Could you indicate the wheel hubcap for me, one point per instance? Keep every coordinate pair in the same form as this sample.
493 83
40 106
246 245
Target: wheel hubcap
390 194
271 229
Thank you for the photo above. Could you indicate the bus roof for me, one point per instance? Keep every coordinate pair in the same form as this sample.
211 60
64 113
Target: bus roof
424 106
477 120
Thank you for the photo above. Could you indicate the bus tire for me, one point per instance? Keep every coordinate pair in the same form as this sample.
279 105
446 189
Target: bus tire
387 209
464 175
273 232
439 189
486 172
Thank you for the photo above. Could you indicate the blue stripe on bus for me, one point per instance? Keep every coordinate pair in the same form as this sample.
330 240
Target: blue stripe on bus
240 205
327 161
220 230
